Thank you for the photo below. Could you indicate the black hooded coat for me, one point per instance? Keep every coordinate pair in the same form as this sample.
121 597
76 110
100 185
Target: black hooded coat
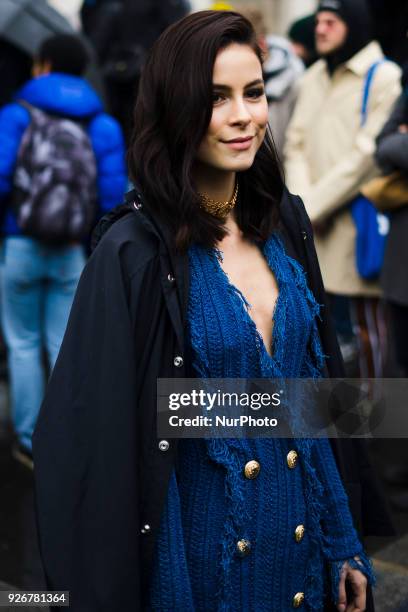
101 475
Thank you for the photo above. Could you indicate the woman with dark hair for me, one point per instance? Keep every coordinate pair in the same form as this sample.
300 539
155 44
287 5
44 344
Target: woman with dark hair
201 273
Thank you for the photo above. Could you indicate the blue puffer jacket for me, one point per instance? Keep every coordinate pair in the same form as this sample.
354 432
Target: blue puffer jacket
70 96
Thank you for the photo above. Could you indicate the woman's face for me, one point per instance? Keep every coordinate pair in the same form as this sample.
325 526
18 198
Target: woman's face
240 111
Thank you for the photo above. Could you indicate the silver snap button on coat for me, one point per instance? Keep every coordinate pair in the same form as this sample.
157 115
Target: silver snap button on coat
178 361
164 445
137 205
170 278
145 529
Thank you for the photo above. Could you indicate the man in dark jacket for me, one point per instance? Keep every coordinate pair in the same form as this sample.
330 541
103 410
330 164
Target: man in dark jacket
39 281
100 498
122 32
392 155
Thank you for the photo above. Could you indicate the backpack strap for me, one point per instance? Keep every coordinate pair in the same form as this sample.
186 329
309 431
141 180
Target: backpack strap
25 105
367 89
82 121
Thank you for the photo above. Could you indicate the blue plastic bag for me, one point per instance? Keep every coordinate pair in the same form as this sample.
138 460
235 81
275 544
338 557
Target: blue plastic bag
372 231
372 226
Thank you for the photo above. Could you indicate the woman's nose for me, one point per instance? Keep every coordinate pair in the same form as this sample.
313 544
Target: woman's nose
240 112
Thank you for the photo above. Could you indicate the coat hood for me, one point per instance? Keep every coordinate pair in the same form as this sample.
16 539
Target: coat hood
282 68
61 94
133 200
358 18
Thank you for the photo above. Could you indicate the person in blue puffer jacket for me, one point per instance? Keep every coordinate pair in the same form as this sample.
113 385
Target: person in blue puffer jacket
38 279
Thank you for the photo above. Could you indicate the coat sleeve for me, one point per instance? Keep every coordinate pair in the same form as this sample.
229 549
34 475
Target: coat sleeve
392 146
340 537
342 183
14 120
85 444
109 147
340 542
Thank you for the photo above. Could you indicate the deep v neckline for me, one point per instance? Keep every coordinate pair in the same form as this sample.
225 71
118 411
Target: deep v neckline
247 306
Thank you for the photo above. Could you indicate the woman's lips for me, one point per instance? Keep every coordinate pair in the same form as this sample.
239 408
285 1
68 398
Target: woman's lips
239 144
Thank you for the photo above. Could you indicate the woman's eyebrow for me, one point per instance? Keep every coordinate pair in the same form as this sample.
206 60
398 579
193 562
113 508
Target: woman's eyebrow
221 87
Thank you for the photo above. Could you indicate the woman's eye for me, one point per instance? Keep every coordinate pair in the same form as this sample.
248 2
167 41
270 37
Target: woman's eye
217 97
255 93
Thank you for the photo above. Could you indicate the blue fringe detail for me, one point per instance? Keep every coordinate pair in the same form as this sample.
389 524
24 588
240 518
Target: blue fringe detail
314 583
221 451
364 565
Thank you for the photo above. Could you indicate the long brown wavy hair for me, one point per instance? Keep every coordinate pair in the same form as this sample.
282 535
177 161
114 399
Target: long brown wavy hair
172 114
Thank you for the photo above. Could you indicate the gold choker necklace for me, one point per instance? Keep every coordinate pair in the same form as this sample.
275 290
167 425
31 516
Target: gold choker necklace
215 207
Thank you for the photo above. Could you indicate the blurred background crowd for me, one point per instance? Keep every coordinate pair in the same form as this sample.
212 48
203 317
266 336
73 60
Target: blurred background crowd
336 77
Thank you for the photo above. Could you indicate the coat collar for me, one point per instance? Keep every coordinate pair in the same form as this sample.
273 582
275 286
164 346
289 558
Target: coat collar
361 62
135 203
178 262
288 227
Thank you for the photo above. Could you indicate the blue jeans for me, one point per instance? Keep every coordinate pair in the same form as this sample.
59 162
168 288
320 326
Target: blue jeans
38 286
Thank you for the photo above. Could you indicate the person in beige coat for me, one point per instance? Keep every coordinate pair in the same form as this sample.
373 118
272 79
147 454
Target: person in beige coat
329 156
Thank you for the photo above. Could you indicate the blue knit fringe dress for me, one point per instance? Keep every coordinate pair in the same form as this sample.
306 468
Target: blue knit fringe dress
211 505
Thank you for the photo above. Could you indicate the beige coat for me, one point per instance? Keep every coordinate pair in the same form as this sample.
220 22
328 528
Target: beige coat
329 156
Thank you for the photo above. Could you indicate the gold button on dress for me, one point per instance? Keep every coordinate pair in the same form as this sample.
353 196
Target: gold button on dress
252 469
243 547
298 600
292 458
299 533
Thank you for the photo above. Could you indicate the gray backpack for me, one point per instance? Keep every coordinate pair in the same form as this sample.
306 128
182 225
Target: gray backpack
55 192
